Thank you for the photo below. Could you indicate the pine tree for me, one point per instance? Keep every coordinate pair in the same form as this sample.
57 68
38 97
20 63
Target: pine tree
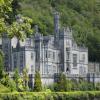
25 79
37 82
1 65
16 77
63 83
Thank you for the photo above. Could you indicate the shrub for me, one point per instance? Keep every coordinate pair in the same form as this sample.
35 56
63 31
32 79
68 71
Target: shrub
8 82
25 79
97 86
16 77
63 84
37 82
85 86
51 96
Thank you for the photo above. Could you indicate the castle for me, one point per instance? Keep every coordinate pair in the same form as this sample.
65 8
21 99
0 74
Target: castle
49 55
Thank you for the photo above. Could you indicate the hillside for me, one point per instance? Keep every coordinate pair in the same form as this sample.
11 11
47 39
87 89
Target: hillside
81 15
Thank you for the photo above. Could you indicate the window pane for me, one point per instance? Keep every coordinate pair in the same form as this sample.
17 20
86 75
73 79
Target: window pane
74 60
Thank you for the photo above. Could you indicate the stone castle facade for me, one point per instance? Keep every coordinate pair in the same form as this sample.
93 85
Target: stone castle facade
50 54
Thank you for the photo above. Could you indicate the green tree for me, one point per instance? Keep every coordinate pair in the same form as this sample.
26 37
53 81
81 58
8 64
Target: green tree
20 28
25 79
16 77
37 82
1 64
15 28
5 8
15 6
20 85
18 81
63 84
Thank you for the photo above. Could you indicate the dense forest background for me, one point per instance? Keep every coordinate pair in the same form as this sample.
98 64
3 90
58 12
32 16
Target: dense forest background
82 15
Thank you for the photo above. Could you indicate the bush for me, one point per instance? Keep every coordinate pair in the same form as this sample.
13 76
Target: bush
51 96
8 82
63 84
37 82
97 86
85 86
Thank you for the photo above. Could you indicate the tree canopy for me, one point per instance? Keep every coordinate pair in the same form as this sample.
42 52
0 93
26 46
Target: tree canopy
9 22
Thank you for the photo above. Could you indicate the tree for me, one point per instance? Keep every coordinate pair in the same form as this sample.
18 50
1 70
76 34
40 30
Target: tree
16 77
5 8
13 27
21 28
15 7
18 80
20 85
37 82
63 84
25 78
1 65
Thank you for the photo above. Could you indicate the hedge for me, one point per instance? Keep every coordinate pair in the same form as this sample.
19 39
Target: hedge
78 95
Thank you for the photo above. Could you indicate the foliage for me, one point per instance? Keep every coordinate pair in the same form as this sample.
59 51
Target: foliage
97 86
37 82
1 64
4 89
25 79
85 86
16 77
15 8
63 84
8 82
8 23
81 15
20 28
47 88
79 95
5 8
20 85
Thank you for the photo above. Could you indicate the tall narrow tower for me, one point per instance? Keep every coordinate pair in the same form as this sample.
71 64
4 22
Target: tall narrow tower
56 22
56 28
